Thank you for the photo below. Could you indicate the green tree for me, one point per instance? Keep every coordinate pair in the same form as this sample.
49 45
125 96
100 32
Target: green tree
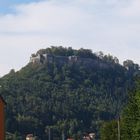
109 130
131 116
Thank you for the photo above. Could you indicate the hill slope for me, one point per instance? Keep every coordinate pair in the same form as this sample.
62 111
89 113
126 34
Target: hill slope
69 97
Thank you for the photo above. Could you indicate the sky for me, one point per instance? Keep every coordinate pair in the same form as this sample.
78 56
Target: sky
111 26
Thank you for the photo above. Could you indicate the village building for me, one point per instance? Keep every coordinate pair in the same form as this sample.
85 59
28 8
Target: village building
90 136
2 118
70 139
30 137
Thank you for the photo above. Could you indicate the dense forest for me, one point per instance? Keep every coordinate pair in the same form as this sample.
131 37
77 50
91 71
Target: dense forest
129 122
71 98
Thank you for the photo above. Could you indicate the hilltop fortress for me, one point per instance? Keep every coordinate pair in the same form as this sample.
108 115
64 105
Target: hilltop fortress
61 60
48 58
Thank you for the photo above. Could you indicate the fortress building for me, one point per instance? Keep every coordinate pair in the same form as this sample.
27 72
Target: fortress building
61 60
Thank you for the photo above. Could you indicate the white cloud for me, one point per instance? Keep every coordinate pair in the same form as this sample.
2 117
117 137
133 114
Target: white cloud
131 9
96 24
42 17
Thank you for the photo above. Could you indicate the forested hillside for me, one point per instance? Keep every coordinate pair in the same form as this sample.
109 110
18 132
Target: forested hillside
70 98
130 118
129 121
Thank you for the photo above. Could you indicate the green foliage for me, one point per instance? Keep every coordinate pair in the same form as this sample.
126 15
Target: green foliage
61 51
109 130
131 116
15 136
130 119
69 97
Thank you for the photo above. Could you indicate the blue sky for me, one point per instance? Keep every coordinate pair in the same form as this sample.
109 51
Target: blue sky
6 5
111 26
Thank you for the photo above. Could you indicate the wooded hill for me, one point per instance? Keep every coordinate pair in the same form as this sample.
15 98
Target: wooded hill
129 119
70 98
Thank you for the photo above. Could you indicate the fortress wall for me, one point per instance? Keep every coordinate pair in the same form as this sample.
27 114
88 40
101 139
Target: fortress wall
61 60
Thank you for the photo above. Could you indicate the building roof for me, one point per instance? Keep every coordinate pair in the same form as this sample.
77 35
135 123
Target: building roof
1 98
29 136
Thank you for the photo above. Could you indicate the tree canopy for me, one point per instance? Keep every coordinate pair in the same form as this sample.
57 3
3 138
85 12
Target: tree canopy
69 98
